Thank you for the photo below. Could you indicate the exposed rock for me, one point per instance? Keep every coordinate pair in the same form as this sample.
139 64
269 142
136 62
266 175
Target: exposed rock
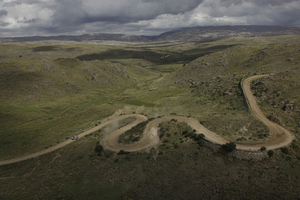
243 130
227 93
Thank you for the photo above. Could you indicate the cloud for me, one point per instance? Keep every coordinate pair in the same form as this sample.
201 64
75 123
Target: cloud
54 17
25 21
3 13
11 4
119 11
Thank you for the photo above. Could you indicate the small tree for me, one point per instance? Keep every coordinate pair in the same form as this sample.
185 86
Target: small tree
98 148
229 146
270 153
263 148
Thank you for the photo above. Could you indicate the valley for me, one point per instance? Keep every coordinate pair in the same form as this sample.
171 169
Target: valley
51 92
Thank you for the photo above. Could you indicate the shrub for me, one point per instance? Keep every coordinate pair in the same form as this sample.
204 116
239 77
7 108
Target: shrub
121 152
270 153
200 143
288 158
166 141
263 148
184 132
284 150
229 146
199 137
241 139
98 148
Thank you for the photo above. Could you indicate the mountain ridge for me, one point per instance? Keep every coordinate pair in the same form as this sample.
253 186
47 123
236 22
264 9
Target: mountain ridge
198 33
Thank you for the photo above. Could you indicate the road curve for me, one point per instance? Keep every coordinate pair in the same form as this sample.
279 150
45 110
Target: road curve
151 138
277 139
139 119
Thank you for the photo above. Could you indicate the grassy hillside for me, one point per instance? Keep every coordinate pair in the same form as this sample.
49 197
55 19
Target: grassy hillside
178 169
51 92
47 95
215 83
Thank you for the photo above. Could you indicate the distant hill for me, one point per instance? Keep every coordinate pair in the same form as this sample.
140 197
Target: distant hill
217 32
184 34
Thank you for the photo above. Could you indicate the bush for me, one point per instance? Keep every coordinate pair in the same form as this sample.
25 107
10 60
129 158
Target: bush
199 137
166 141
229 146
270 153
200 143
241 139
184 132
263 148
98 148
122 152
284 150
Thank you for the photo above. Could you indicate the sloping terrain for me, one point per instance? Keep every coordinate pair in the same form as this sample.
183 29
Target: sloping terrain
206 89
216 78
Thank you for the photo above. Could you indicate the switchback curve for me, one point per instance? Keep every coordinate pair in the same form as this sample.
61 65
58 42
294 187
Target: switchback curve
151 138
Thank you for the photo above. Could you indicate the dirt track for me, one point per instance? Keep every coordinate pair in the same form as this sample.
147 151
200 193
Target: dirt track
277 139
151 138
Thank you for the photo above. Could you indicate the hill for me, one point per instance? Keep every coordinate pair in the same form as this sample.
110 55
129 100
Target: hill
217 32
50 93
183 34
215 82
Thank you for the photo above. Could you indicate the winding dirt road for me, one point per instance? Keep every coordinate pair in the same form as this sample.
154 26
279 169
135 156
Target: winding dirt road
151 138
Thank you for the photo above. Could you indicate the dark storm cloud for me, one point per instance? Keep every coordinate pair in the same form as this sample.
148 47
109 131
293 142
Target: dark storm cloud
3 13
118 11
29 21
270 2
139 16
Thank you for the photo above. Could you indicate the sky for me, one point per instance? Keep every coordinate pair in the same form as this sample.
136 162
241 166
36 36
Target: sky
138 17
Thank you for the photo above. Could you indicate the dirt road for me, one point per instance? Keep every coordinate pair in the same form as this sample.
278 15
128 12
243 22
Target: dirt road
139 119
151 138
277 139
